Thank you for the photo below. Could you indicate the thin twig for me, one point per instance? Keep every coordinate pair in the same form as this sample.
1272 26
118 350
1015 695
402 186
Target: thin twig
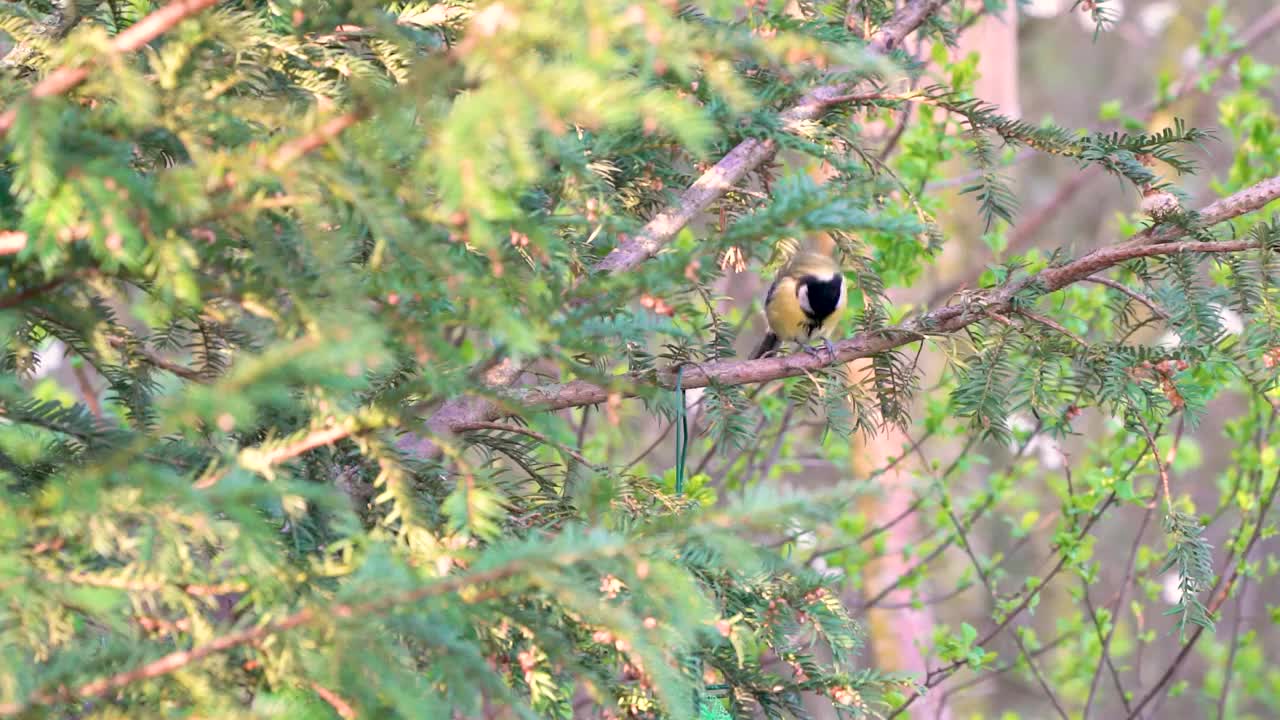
146 586
762 470
936 677
582 428
1228 671
540 437
651 447
1006 557
31 293
137 349
1024 233
86 390
1053 325
1261 28
179 659
1160 466
1031 596
1214 604
904 119
961 534
1105 657
137 35
924 562
320 136
912 508
996 672
315 439
339 705
751 153
730 462
1120 287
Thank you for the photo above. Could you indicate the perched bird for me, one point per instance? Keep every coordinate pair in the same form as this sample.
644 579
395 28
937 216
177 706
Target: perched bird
804 304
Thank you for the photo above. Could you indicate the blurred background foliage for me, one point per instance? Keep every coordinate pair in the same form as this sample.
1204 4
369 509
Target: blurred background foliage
250 272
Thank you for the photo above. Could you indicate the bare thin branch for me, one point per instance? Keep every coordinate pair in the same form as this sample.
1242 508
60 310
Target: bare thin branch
1125 289
144 585
336 701
1053 325
1213 606
1105 650
963 537
937 676
31 293
1260 28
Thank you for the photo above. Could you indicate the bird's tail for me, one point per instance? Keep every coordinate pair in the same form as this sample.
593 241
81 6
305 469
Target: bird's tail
768 344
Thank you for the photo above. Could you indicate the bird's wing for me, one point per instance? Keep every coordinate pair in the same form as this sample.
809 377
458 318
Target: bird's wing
772 288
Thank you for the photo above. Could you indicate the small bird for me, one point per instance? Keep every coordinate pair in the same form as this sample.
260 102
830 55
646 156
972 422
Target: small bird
804 304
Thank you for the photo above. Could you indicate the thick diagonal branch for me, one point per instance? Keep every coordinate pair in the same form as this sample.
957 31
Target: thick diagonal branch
945 320
713 184
750 154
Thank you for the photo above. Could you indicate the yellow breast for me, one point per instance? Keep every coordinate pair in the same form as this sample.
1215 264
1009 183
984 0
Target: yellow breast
786 318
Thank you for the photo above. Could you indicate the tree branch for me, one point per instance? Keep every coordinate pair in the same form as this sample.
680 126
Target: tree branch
1126 290
457 413
175 661
1105 641
297 147
140 33
730 170
1148 243
540 437
470 412
22 296
1214 605
749 154
663 227
936 677
65 16
1022 236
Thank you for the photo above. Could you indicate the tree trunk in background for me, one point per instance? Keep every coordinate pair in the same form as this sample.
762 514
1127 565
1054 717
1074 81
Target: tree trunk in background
996 38
895 633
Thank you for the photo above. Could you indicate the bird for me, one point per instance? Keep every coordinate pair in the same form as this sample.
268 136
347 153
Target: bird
804 304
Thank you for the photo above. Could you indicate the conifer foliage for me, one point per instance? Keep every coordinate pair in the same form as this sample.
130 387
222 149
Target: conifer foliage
322 272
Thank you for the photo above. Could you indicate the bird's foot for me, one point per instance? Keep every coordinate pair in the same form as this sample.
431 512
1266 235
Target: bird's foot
831 349
816 350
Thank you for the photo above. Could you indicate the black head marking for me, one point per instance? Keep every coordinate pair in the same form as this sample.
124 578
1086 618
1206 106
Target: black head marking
823 295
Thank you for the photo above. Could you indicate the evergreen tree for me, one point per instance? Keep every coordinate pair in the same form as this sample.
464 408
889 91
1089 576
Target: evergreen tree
361 298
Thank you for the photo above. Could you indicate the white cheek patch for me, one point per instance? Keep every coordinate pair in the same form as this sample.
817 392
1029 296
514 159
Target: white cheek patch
803 295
